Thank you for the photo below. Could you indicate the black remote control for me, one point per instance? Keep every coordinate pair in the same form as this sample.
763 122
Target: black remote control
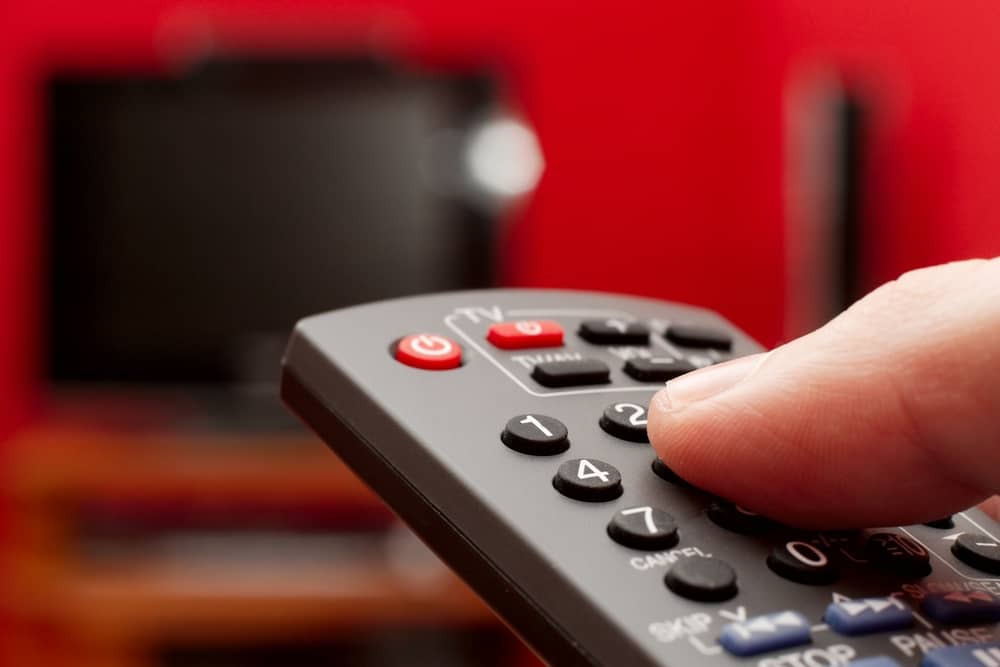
507 428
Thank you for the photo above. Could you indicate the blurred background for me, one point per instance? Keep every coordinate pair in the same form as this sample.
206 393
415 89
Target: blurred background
180 181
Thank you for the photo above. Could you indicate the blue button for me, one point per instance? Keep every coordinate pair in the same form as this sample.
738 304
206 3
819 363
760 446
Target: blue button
765 633
963 608
973 655
879 661
868 615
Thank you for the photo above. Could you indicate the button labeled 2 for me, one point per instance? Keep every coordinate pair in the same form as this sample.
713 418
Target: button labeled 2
525 333
626 421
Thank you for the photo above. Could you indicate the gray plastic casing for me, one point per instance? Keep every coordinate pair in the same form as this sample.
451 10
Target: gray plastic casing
429 443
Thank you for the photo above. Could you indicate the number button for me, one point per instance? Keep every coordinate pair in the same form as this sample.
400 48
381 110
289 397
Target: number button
588 479
664 472
643 528
539 435
803 563
735 518
626 421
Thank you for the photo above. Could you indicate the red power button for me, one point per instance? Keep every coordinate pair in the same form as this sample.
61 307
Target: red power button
429 352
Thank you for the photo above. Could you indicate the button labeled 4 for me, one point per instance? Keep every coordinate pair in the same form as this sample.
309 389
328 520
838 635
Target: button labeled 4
588 479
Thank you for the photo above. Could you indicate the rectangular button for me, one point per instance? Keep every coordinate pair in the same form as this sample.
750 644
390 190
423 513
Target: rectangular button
867 615
766 633
963 607
971 655
696 335
525 334
657 369
877 661
571 373
613 332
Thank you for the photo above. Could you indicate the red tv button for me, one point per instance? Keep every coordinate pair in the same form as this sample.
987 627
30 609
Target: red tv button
526 333
429 352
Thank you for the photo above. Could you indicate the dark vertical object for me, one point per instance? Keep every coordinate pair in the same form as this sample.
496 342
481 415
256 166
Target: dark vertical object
827 134
849 225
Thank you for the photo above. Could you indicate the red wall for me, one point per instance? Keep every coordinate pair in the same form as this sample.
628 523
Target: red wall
661 125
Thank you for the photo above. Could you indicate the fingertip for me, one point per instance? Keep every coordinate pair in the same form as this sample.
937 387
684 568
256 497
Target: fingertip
670 405
660 418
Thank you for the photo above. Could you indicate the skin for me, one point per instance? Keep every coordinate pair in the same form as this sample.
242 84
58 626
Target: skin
887 415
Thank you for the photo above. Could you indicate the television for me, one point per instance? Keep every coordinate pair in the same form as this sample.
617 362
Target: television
193 218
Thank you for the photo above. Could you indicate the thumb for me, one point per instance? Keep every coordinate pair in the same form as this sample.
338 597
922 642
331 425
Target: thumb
888 415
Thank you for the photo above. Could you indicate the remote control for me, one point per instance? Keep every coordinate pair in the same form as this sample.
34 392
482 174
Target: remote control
507 428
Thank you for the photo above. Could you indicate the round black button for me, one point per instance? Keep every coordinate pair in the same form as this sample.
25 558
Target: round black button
945 523
735 518
664 472
643 527
703 579
626 421
803 563
980 551
540 435
588 479
898 554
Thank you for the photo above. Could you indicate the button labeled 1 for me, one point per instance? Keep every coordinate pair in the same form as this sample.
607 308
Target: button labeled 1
429 352
539 435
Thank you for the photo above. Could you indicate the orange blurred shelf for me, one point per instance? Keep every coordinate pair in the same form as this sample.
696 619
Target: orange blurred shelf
75 609
163 603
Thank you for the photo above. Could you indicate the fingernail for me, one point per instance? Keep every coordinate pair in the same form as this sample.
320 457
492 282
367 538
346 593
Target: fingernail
707 382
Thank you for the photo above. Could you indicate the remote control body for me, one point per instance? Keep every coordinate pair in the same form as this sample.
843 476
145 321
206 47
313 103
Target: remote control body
469 451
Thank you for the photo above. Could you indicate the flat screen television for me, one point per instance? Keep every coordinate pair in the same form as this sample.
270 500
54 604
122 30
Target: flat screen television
193 219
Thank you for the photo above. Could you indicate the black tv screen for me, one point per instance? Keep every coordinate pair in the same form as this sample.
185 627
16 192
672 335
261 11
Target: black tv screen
194 219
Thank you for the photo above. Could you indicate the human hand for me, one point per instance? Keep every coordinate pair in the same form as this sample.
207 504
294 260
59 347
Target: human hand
888 415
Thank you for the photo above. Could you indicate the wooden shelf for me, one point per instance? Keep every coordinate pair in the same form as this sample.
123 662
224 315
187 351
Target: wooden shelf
153 602
70 608
53 461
